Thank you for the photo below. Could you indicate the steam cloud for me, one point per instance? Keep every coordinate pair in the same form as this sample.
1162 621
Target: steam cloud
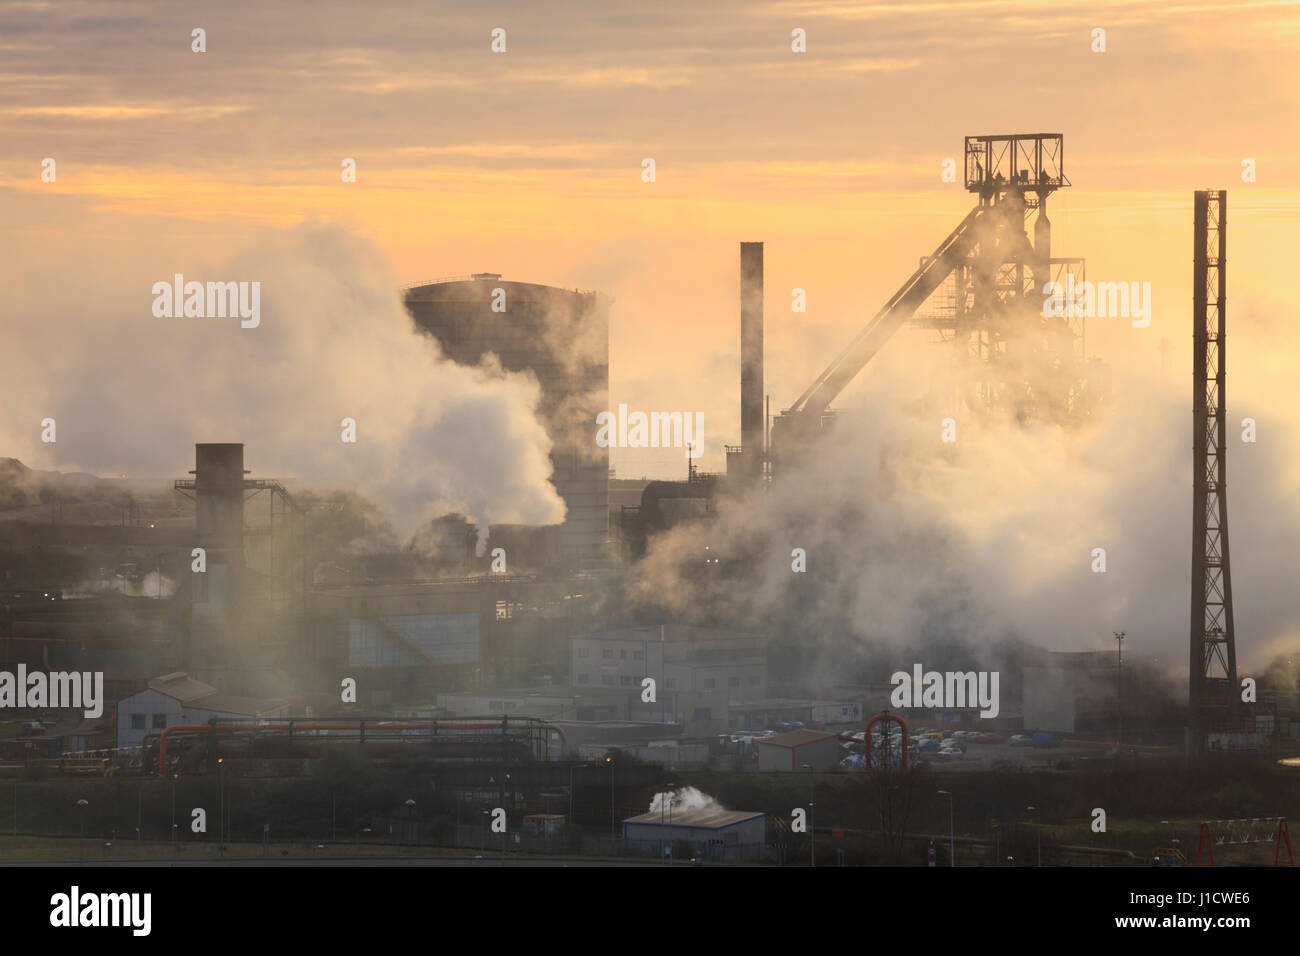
687 798
944 553
132 393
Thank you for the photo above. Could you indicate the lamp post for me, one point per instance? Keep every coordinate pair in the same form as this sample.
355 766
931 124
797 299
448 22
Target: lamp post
221 800
952 835
1039 828
175 777
410 813
81 842
671 788
663 798
1119 688
612 836
812 818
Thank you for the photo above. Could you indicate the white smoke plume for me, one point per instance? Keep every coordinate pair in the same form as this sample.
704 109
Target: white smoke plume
132 393
687 798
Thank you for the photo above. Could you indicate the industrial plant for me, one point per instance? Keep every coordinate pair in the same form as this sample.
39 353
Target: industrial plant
529 685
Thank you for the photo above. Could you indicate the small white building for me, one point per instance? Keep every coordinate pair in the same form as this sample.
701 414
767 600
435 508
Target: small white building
177 698
821 751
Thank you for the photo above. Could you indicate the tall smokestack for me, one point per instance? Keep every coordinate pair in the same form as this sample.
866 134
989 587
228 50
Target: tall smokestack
751 358
219 526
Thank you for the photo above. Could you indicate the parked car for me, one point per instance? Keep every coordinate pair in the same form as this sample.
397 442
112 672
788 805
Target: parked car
1046 740
952 753
927 746
990 739
1020 740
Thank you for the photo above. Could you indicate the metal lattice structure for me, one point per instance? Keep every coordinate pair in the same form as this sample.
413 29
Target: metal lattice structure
1212 684
982 290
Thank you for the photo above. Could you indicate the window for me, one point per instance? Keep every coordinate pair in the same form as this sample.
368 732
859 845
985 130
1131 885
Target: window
710 683
582 678
607 652
627 681
137 721
622 654
753 682
159 721
671 683
496 705
733 682
582 652
607 678
638 655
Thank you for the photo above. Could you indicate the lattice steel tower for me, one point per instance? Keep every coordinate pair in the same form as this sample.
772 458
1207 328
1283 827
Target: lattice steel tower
1212 687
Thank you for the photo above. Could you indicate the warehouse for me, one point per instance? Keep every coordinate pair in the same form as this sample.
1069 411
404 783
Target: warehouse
792 751
709 834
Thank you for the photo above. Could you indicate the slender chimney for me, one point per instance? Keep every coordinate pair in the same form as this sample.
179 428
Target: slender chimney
219 526
751 358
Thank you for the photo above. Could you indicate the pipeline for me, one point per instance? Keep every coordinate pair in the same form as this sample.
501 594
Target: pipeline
361 726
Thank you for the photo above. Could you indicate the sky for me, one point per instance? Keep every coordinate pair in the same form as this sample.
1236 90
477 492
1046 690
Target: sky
529 162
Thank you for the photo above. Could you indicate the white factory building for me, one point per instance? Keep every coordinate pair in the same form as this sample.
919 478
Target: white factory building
177 698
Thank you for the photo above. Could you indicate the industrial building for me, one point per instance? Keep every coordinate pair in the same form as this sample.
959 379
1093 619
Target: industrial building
562 337
799 750
179 699
698 671
703 834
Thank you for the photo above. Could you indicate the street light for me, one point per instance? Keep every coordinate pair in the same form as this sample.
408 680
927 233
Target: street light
81 842
812 818
671 789
1039 828
952 838
612 836
175 777
221 800
1119 688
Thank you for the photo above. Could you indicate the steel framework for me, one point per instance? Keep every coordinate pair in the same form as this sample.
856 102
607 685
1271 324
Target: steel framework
985 290
1212 683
